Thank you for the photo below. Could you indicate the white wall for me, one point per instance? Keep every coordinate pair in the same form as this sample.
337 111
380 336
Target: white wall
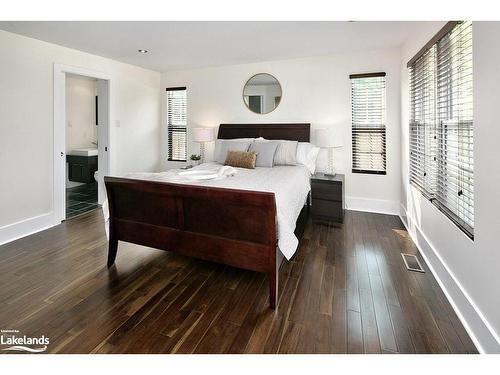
315 90
468 270
26 125
81 129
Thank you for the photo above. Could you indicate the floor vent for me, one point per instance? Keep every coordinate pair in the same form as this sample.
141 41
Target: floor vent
412 263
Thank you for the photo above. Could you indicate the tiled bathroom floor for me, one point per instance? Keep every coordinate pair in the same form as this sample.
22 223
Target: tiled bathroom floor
81 199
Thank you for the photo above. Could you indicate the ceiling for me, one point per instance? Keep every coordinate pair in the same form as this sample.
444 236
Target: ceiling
186 45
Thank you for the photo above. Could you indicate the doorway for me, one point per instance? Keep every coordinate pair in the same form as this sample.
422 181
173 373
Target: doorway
255 103
82 165
81 140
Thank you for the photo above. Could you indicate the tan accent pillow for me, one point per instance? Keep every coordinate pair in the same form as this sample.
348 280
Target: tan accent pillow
241 159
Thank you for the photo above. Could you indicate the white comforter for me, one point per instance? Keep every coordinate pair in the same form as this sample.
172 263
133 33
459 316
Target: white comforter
290 185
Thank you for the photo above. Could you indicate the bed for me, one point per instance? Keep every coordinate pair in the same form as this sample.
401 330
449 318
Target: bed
235 222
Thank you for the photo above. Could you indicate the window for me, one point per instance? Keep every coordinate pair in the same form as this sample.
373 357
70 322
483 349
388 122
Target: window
441 123
368 123
423 151
177 123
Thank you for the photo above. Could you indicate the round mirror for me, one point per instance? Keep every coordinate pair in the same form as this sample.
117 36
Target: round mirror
262 93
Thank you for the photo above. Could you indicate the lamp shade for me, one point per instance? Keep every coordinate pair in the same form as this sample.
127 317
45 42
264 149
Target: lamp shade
326 138
203 134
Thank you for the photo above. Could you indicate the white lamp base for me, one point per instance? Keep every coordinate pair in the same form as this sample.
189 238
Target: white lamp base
202 151
331 171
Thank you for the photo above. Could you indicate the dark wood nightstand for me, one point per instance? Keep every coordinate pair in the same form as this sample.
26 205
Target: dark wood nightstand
327 197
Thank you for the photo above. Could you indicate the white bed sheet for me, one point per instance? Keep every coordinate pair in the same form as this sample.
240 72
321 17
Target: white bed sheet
290 185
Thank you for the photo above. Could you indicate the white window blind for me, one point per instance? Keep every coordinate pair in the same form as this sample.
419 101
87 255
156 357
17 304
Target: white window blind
368 123
441 124
423 122
177 123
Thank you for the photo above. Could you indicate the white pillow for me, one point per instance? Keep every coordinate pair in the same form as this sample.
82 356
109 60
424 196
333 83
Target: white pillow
307 155
238 140
219 142
286 152
222 146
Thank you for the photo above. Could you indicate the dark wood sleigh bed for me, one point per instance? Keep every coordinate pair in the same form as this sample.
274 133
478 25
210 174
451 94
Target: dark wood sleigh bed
233 227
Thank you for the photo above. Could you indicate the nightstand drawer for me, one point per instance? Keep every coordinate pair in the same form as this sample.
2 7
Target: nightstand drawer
327 209
327 191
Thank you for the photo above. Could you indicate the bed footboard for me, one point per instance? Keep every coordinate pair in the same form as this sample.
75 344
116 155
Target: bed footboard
228 226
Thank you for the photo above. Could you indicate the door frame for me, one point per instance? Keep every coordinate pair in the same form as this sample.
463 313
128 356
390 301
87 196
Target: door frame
104 163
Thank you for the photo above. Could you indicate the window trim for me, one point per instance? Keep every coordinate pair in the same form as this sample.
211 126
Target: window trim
367 171
179 88
169 157
367 75
439 35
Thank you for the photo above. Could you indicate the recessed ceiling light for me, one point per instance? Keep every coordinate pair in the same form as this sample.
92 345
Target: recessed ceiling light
143 51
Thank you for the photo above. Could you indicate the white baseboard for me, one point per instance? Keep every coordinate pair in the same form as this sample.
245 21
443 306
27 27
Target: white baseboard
26 227
478 328
372 205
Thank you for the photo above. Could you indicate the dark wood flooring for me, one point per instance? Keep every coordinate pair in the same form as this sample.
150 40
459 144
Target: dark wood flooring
345 291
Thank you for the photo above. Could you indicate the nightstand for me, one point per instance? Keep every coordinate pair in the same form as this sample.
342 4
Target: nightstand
327 197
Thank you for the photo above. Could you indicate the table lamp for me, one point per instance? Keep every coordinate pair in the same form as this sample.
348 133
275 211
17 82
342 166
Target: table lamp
327 138
203 135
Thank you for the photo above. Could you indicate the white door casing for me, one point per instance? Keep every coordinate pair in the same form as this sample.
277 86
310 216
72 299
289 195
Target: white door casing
104 159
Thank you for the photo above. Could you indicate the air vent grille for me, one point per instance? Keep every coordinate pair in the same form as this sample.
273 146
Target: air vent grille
412 263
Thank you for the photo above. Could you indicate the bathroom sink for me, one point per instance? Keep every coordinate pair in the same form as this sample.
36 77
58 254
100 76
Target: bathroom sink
84 152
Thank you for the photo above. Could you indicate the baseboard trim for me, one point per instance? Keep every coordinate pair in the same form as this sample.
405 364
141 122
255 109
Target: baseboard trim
23 228
372 205
476 325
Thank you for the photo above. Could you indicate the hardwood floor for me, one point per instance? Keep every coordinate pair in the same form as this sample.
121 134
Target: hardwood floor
345 291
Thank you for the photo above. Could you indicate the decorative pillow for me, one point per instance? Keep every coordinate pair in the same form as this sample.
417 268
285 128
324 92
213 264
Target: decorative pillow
265 153
241 159
286 153
222 146
307 155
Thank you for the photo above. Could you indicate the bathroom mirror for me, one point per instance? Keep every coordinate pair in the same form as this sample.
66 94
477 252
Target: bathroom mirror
262 93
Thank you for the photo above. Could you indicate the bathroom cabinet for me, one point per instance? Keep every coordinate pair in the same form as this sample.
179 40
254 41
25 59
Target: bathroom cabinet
81 168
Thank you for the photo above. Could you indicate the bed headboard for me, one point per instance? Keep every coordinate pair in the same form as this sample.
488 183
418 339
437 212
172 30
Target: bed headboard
292 132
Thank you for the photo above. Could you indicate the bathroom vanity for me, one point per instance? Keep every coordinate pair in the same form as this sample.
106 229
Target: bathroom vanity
82 165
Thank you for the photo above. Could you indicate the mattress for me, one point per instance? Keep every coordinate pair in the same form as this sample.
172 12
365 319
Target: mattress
290 185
